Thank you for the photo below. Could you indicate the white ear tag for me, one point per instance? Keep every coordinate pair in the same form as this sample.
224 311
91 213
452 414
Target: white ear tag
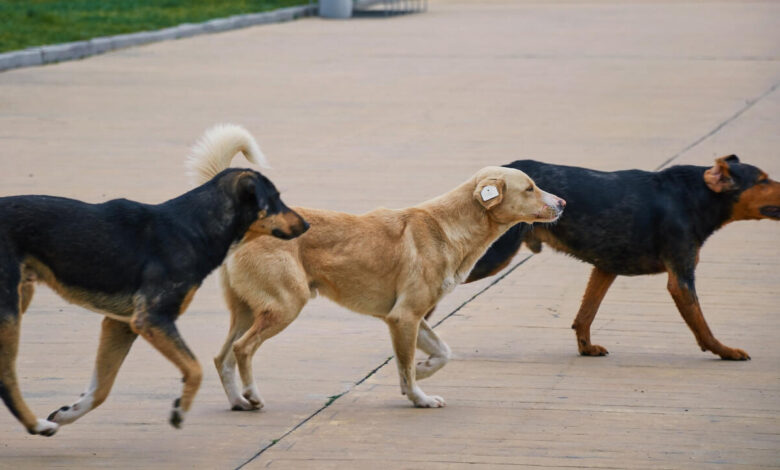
488 193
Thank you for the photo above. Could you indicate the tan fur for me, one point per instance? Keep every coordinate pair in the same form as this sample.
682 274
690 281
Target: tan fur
390 264
9 344
187 299
750 202
116 306
718 178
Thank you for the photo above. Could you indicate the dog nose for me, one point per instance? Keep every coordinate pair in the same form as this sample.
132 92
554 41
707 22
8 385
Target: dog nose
305 226
561 203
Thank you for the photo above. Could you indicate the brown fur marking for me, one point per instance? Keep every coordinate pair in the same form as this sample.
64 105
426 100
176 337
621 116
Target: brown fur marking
120 305
750 202
598 284
688 304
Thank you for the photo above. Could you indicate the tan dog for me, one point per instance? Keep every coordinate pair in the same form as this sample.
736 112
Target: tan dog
391 264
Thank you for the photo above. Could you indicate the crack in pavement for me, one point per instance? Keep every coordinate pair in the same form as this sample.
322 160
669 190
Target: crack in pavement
332 399
749 104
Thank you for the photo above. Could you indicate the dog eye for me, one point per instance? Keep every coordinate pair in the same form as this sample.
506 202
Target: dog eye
529 189
763 181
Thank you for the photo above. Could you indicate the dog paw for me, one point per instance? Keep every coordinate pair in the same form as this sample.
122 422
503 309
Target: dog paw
241 403
430 401
252 395
44 428
65 414
57 415
177 414
593 350
734 354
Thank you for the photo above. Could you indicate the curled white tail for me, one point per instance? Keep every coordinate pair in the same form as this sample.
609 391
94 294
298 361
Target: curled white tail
213 152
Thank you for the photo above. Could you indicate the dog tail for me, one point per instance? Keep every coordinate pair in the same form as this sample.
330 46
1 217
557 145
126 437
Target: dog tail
214 151
500 253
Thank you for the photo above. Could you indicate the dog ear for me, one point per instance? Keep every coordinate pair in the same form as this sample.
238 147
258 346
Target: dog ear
490 192
718 178
246 187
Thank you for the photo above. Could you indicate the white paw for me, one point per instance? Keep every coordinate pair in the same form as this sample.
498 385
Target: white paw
64 415
252 395
240 403
45 428
429 401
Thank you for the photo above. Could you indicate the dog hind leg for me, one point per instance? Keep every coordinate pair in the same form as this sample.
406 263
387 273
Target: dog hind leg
116 338
683 292
598 284
26 291
10 324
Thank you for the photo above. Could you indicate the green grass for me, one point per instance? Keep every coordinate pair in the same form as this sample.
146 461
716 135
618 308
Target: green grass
26 23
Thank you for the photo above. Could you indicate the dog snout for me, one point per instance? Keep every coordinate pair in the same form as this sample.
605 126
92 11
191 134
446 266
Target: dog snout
301 227
291 225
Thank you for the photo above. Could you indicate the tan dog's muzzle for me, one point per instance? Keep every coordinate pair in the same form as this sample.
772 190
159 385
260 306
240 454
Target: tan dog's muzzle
552 209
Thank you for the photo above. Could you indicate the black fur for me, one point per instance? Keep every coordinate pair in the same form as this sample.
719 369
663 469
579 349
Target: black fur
626 222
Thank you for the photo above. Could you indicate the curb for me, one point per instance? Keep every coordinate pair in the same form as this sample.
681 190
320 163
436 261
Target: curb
78 50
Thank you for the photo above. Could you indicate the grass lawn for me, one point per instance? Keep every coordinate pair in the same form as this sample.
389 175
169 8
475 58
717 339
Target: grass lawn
25 23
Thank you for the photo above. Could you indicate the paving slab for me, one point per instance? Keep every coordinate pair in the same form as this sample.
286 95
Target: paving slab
391 111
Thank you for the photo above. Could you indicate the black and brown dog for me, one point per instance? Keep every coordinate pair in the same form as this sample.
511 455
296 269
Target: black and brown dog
137 264
638 222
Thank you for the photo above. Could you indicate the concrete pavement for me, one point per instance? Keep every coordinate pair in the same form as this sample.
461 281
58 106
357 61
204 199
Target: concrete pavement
392 111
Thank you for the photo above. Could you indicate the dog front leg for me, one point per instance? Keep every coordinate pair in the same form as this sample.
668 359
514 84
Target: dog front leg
116 338
683 292
598 284
267 323
403 331
438 352
241 320
159 330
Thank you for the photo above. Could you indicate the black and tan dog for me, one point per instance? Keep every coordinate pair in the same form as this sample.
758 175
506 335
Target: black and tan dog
637 222
137 264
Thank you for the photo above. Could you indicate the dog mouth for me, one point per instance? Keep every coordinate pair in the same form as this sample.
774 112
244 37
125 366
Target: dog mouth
550 214
294 232
773 212
282 234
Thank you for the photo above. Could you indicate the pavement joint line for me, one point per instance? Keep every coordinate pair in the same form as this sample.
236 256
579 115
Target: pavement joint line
333 398
496 281
749 104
